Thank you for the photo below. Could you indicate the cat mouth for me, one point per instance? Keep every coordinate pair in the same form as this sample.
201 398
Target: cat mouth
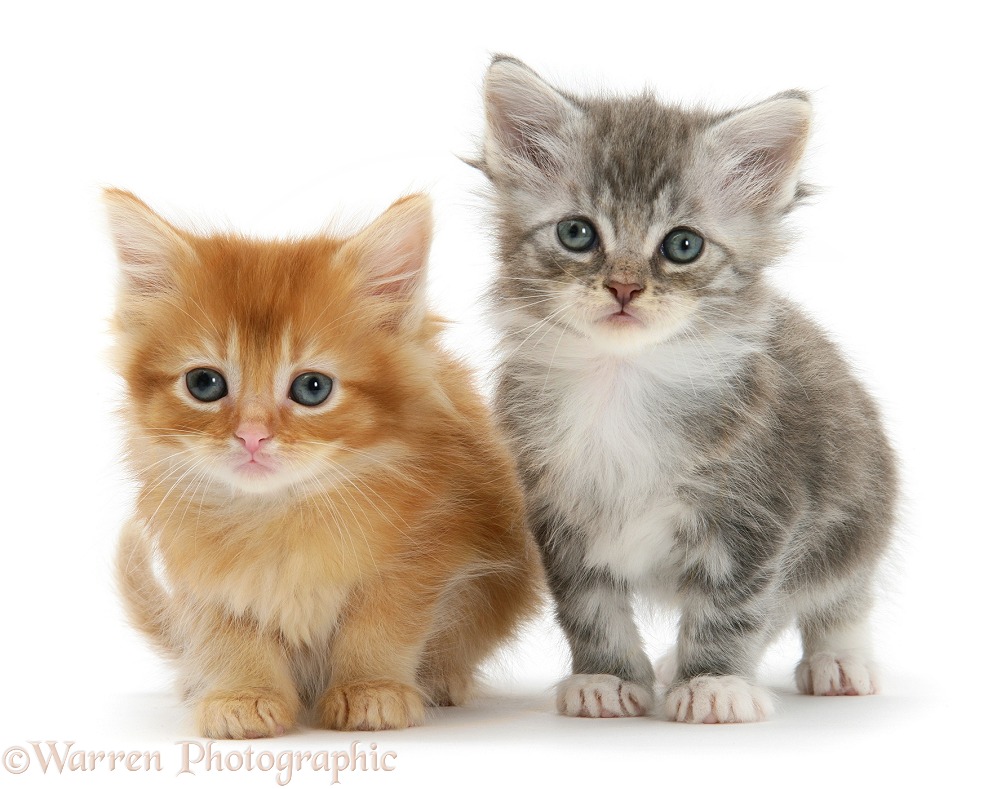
622 318
254 467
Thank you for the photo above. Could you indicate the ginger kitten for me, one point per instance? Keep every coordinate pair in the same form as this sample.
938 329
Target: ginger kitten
327 518
682 431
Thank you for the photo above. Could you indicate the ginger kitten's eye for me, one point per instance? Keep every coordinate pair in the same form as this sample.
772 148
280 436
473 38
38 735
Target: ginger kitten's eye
311 389
577 235
206 385
682 246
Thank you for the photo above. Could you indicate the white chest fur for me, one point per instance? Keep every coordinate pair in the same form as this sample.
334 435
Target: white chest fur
610 452
639 547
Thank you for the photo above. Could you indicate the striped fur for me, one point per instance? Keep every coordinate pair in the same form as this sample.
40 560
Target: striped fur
710 447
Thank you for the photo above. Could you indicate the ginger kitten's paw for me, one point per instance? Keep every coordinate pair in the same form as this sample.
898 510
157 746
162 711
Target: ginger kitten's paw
727 699
244 715
602 696
845 674
451 691
371 706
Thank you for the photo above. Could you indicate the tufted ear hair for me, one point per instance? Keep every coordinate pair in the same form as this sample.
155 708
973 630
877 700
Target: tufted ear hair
526 124
148 246
755 155
391 255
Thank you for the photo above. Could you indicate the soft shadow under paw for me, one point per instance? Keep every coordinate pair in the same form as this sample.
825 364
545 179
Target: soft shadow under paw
244 715
602 696
370 706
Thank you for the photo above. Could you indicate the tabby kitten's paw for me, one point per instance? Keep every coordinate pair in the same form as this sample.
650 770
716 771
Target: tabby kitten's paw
602 696
371 706
727 699
666 667
844 674
244 715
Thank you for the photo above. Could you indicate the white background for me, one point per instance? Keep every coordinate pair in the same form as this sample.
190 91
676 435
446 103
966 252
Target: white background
274 120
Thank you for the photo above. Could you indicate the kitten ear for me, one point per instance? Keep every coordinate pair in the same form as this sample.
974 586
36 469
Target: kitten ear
147 245
526 123
391 255
756 155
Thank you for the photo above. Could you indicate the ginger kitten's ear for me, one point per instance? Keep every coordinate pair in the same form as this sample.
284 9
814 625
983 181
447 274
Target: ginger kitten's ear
148 246
391 255
755 155
527 121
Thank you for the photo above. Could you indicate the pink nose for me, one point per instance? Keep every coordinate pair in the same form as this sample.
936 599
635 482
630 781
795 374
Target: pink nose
251 436
624 291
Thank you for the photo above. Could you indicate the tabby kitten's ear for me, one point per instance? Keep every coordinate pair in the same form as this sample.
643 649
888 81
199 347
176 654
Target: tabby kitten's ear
148 246
753 157
390 256
527 121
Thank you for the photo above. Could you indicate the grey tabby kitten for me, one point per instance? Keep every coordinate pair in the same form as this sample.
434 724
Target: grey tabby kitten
682 431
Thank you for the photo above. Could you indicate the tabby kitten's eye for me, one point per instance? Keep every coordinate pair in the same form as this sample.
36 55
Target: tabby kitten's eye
577 235
682 246
311 389
206 385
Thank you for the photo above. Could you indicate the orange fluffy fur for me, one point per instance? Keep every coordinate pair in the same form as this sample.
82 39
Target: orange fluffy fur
382 554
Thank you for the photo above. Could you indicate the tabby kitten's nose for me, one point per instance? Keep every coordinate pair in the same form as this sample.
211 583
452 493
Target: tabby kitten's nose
252 436
624 292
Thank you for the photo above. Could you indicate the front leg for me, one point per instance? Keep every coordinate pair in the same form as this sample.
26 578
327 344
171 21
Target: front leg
724 629
238 677
611 676
375 657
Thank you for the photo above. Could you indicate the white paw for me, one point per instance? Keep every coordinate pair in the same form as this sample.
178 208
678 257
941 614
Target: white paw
666 668
726 699
602 696
842 674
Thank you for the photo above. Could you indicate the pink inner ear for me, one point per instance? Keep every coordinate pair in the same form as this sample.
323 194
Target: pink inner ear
402 284
391 255
522 138
758 153
400 293
526 121
396 257
756 176
148 246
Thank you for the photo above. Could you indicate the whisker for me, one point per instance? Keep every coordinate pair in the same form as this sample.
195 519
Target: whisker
538 325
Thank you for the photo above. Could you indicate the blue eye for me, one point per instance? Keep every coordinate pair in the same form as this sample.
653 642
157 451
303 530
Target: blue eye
311 389
576 235
206 385
682 246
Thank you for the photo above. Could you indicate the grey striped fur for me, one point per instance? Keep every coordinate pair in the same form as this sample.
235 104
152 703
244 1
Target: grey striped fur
716 453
